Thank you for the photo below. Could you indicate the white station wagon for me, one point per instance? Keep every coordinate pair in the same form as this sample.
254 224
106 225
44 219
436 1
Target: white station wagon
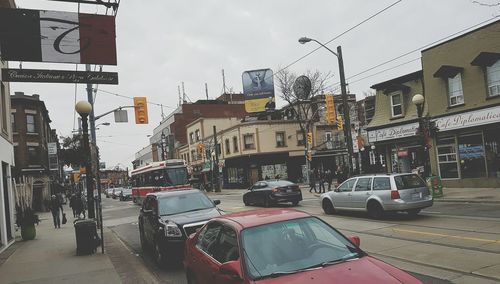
378 194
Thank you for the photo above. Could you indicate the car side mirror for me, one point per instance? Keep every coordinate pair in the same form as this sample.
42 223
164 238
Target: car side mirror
355 240
231 269
216 201
250 188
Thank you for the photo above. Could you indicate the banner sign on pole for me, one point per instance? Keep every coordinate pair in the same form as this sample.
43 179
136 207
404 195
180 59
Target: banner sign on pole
258 88
59 76
59 37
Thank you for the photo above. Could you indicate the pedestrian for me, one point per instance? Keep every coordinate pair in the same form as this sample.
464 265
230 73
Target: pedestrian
321 188
329 179
72 204
84 205
312 181
55 205
340 175
78 205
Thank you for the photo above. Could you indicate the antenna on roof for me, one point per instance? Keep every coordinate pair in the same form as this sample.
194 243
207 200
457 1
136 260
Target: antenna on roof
183 93
206 90
179 91
224 89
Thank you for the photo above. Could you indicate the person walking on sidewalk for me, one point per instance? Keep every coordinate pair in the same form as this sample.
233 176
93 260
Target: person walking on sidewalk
329 179
72 204
84 205
312 181
55 205
321 181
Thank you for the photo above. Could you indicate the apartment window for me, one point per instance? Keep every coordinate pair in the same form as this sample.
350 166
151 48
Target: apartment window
396 105
493 76
455 90
228 147
197 134
328 136
4 108
300 139
30 123
249 141
235 144
280 139
191 137
193 155
13 121
33 155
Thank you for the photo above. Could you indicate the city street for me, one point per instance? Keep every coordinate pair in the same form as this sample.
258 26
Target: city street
449 242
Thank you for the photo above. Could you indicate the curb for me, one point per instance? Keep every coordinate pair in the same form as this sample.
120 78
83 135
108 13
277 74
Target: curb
460 200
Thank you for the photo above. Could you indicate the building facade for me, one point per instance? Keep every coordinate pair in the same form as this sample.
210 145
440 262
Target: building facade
462 90
32 135
7 202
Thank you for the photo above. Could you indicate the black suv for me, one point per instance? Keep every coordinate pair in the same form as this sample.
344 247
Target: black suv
167 218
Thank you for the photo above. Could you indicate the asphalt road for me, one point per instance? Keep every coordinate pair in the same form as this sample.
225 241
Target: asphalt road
447 227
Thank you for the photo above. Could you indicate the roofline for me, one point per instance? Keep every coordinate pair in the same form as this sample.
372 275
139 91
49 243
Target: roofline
405 78
460 36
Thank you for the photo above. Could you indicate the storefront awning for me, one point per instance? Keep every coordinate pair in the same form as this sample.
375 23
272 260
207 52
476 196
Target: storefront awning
485 59
448 71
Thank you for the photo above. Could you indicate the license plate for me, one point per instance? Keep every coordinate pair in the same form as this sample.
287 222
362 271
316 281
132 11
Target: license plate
416 195
288 190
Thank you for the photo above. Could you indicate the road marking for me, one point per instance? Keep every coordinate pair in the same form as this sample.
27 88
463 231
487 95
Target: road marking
446 236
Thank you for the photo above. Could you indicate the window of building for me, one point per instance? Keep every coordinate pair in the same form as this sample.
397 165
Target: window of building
472 156
197 135
13 121
228 147
493 77
235 144
191 137
4 108
396 105
455 92
33 155
280 139
300 139
193 155
492 147
328 136
447 158
249 141
30 123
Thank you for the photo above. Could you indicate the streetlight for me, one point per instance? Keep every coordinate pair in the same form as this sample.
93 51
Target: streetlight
418 100
84 108
308 147
347 119
163 142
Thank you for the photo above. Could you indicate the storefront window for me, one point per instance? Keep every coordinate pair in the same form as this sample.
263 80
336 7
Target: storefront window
235 175
492 151
472 156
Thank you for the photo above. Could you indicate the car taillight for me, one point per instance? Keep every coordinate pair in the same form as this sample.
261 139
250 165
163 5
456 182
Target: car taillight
395 194
275 189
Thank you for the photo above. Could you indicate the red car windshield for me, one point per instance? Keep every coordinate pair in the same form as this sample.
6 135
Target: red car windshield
293 246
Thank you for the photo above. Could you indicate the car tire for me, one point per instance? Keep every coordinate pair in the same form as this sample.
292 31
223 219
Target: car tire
375 210
295 203
144 245
413 212
328 207
158 255
191 279
245 201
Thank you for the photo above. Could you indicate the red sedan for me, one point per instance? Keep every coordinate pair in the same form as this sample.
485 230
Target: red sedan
280 246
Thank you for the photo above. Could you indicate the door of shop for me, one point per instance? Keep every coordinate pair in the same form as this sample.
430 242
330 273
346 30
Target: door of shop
6 200
253 176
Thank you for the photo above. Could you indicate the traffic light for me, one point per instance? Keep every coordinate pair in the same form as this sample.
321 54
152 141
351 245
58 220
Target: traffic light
309 156
201 148
340 123
309 138
141 110
330 109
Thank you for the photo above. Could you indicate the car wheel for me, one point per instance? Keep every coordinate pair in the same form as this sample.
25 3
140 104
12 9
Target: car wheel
245 201
295 203
328 207
143 241
375 210
191 279
158 255
413 212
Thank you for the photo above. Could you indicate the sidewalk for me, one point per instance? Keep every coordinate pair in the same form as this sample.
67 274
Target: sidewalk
51 258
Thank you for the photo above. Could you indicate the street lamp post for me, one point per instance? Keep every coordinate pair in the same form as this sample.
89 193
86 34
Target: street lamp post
343 87
309 126
418 101
163 142
84 109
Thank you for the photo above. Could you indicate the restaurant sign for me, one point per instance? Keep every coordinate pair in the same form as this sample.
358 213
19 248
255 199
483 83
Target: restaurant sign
468 119
395 132
59 76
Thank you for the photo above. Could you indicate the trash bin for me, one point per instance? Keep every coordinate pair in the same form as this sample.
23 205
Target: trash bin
435 186
87 239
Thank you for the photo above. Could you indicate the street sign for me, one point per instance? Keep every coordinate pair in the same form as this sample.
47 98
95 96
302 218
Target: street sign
121 115
52 148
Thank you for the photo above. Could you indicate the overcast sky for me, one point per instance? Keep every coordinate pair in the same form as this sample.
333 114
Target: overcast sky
161 43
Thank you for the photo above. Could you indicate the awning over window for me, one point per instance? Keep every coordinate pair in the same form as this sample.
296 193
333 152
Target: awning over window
448 71
486 59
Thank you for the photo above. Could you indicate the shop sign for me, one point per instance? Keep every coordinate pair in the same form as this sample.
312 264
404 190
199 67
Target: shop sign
395 132
402 154
468 119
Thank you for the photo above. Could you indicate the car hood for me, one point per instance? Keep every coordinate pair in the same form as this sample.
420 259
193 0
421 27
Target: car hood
194 216
363 270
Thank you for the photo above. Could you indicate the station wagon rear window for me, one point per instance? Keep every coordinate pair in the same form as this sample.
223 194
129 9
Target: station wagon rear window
409 181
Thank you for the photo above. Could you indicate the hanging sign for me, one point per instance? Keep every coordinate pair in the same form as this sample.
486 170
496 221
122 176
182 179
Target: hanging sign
59 76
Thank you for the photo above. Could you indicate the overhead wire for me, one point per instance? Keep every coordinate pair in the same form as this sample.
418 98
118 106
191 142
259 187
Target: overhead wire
127 97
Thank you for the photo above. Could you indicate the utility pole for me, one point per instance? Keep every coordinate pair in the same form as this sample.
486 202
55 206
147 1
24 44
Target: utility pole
345 103
90 197
216 164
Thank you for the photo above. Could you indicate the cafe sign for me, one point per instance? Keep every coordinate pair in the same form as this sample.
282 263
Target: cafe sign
59 76
395 132
468 119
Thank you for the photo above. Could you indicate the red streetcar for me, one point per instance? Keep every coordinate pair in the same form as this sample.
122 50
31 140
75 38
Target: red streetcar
159 176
